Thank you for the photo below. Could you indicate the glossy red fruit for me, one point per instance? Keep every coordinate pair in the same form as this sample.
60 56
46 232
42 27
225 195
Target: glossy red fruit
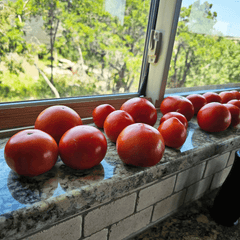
178 115
226 96
140 145
235 114
198 101
82 147
177 104
174 132
214 117
236 94
31 152
142 110
212 97
100 113
116 122
56 120
235 102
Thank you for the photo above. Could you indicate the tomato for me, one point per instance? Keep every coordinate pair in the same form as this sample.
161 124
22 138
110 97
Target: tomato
56 120
142 110
31 152
214 117
226 96
235 114
180 116
236 94
115 123
235 102
140 145
174 132
82 147
212 97
100 113
198 101
177 104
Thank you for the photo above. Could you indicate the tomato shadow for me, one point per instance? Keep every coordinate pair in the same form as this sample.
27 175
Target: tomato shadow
29 190
72 179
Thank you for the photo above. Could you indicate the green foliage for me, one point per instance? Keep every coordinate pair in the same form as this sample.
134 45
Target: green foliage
201 56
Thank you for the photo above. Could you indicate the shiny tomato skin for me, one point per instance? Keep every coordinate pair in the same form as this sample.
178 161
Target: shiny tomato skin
214 117
236 94
116 122
198 101
235 102
226 96
140 145
235 114
212 97
174 132
82 147
142 110
100 113
177 104
56 120
31 152
178 115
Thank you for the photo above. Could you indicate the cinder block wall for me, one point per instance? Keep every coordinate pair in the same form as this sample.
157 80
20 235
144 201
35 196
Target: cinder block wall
138 210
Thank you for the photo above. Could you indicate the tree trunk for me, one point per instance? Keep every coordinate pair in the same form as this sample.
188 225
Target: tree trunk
53 89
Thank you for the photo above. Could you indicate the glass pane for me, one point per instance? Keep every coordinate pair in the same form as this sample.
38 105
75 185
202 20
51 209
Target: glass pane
66 48
207 44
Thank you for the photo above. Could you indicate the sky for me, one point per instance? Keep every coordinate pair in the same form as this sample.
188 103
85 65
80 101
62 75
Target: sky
228 15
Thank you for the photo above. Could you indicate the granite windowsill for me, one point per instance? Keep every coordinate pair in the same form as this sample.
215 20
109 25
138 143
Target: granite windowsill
30 204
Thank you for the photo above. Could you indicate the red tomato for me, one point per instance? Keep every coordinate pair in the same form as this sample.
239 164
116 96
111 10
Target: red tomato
31 152
198 101
56 120
82 147
140 145
180 116
115 123
100 113
177 104
235 102
236 94
212 97
142 110
214 117
235 114
174 132
226 96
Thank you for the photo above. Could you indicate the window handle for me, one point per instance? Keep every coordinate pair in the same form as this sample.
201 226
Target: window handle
154 46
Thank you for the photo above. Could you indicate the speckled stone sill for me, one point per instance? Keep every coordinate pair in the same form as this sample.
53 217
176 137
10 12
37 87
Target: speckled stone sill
29 205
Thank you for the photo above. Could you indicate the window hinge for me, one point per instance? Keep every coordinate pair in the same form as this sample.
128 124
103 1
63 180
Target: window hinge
154 46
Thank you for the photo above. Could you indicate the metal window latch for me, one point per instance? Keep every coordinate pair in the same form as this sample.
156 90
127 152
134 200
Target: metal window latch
154 46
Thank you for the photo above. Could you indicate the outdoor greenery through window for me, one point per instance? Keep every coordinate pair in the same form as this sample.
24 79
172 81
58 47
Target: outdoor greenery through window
207 44
68 48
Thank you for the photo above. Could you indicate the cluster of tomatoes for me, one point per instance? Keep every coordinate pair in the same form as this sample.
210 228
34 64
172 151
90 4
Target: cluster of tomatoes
58 131
215 113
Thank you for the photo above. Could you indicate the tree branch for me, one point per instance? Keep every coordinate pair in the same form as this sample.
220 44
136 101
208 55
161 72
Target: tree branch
53 89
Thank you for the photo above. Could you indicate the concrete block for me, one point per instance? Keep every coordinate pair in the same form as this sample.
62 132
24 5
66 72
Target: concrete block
150 195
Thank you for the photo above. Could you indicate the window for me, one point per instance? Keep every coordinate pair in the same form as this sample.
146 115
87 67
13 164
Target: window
202 56
206 50
62 50
71 48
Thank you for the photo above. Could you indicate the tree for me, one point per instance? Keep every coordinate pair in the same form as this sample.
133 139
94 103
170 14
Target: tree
105 43
50 11
11 35
192 48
